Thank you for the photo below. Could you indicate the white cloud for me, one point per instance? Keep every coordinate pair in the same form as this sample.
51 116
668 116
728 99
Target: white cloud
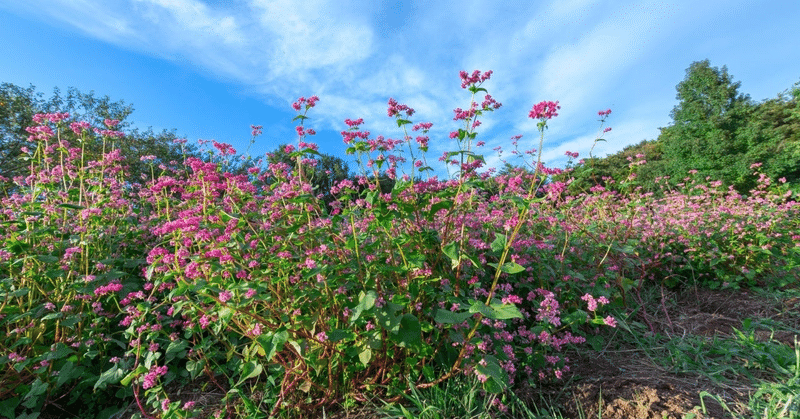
194 23
311 34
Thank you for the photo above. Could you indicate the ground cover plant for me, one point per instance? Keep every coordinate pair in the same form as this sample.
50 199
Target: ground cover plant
252 286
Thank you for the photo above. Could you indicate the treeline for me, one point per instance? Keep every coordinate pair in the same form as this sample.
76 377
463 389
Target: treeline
716 131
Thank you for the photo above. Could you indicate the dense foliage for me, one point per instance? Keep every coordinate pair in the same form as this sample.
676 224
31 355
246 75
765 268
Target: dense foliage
287 301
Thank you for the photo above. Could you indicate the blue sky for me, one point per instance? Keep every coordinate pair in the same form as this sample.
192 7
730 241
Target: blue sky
210 69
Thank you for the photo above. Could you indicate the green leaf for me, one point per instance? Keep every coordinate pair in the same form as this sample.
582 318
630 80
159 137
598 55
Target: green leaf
174 348
401 122
442 316
475 89
68 372
365 302
577 316
61 351
195 368
71 206
18 293
452 250
388 318
56 315
38 388
481 307
506 311
47 258
110 376
271 344
499 243
249 370
7 407
496 311
492 386
435 208
596 342
365 356
338 334
141 369
410 333
490 367
509 267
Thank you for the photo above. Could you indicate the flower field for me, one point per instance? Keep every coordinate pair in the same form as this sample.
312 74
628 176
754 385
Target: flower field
118 291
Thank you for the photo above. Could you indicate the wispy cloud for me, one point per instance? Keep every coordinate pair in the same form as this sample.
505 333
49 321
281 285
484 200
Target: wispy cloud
584 53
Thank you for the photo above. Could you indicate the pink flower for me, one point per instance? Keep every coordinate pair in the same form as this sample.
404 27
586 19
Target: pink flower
79 127
396 109
204 321
351 123
309 103
610 321
512 299
475 78
114 286
224 296
544 110
322 336
256 330
150 378
590 301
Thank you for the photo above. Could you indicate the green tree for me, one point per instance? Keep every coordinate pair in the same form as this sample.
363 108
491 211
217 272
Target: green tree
773 135
707 123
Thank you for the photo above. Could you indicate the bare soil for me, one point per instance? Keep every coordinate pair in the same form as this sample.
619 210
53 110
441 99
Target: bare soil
627 383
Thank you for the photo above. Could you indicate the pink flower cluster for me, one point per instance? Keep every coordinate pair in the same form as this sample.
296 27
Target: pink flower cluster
475 78
309 103
42 118
151 377
544 110
591 302
396 109
113 286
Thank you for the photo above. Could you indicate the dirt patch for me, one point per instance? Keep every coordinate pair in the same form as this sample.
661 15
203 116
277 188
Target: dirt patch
627 383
